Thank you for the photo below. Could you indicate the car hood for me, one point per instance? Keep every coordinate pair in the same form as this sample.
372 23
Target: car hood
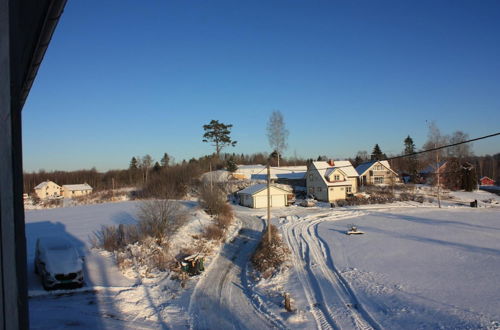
62 262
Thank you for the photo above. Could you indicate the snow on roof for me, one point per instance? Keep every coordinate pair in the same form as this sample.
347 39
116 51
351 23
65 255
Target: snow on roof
258 172
43 184
72 187
432 168
256 188
324 169
344 165
362 168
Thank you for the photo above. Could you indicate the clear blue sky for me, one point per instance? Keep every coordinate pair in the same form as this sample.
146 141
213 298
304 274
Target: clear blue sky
126 78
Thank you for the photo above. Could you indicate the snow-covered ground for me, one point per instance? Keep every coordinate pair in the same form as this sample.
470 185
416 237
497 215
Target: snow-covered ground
416 266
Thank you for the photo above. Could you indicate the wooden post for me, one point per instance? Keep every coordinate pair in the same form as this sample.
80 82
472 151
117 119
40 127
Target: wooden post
438 181
288 305
269 202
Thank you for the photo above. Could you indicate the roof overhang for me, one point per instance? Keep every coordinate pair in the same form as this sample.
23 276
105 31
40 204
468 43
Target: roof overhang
31 32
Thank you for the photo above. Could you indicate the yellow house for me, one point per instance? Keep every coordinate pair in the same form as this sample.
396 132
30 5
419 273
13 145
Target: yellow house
256 196
377 172
332 180
48 189
75 190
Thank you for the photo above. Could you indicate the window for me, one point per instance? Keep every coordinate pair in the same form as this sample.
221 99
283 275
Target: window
336 177
310 177
348 190
378 179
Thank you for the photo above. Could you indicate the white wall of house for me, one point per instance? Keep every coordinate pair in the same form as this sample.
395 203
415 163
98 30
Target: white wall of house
75 193
48 190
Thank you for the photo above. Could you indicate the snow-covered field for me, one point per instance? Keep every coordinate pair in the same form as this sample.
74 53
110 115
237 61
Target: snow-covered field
415 267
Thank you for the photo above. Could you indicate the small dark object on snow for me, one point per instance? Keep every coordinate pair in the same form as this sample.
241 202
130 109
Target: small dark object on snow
354 231
193 265
474 203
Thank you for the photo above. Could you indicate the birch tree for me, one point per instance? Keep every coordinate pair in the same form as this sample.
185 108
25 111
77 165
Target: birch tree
277 133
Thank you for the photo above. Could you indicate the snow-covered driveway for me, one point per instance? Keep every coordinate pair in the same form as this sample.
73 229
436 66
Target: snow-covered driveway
221 299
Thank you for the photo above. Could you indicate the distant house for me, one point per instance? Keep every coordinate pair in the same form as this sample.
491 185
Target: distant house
332 180
256 196
485 181
428 174
376 172
75 190
48 189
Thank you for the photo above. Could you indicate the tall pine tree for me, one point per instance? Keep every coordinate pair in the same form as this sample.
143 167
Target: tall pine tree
411 162
377 153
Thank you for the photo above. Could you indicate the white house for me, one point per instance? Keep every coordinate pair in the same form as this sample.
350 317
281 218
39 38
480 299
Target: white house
332 180
48 189
256 196
376 172
74 190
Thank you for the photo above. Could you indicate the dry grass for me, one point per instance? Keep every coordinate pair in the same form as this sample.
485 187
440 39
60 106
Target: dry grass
269 257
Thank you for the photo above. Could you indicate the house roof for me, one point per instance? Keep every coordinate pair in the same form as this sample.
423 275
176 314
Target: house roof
325 169
44 184
432 168
362 168
258 172
486 178
73 187
257 188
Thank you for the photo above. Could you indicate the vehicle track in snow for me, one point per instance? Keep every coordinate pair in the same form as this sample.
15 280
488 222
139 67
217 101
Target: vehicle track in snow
331 300
222 299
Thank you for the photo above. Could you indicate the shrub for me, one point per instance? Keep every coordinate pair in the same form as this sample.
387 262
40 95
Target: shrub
213 199
269 257
213 232
160 219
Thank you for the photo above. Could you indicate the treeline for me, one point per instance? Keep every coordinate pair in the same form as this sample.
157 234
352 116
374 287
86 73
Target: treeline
150 177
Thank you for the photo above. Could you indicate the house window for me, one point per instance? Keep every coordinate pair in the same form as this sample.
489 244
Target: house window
378 179
348 190
336 177
310 177
311 190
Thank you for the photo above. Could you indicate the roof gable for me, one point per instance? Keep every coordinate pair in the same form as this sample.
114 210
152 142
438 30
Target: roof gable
363 168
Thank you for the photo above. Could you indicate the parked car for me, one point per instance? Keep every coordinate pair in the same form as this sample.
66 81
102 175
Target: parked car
58 263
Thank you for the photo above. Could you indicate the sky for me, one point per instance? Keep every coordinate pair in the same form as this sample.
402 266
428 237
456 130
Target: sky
127 78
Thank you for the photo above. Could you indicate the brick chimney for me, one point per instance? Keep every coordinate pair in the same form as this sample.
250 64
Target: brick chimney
331 162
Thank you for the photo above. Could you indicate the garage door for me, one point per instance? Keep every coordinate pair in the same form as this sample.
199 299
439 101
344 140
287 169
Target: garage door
276 201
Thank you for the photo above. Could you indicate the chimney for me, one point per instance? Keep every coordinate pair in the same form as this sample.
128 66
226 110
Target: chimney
331 162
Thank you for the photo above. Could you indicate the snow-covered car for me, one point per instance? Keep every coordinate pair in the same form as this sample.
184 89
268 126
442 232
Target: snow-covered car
58 263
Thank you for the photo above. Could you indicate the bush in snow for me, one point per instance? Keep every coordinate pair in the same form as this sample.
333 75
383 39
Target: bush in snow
213 200
269 257
160 219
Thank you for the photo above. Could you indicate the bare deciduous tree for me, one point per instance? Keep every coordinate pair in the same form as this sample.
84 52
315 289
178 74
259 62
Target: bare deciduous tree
160 219
146 163
277 133
461 151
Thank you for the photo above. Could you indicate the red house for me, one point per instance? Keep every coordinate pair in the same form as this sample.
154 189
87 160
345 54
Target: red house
485 181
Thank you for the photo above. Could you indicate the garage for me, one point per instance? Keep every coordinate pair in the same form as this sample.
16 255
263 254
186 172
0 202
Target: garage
256 196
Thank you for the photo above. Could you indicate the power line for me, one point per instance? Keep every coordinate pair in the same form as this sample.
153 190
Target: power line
442 147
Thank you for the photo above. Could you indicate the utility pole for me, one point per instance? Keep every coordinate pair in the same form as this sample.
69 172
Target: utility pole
269 202
438 181
210 172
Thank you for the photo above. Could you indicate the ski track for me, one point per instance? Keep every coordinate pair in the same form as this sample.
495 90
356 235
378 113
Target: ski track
222 299
331 300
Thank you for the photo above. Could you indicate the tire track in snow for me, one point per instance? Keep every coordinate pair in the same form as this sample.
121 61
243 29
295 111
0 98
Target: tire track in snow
329 296
222 299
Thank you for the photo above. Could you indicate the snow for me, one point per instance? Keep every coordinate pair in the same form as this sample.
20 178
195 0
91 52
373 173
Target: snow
258 172
416 266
